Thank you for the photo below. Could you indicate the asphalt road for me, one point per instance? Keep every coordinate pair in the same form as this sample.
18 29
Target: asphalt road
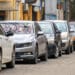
64 65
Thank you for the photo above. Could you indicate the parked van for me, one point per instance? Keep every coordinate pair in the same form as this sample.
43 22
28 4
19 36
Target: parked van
7 47
63 26
53 38
30 42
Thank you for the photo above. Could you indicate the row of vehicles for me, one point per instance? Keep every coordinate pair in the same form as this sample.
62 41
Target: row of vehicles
29 40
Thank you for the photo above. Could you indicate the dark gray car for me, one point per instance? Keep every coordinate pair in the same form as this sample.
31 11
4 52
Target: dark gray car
53 38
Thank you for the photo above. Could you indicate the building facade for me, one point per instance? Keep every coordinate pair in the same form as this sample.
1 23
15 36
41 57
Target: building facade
54 9
34 10
18 10
10 10
51 9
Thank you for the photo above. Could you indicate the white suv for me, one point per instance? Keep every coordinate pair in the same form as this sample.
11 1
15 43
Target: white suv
7 48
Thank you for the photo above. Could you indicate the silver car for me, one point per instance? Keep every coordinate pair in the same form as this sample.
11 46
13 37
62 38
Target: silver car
63 26
30 42
72 33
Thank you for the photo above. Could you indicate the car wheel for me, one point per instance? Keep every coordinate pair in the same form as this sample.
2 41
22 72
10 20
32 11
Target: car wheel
44 57
60 48
60 53
67 51
12 63
56 55
35 61
71 49
0 61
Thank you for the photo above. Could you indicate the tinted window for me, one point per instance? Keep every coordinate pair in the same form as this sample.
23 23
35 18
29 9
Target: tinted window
46 28
18 28
72 27
37 28
62 26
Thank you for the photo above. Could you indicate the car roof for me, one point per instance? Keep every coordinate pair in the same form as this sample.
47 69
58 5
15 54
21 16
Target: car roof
42 22
57 20
16 21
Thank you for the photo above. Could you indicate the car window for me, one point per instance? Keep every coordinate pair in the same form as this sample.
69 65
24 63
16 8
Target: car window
62 26
46 28
72 27
37 28
18 28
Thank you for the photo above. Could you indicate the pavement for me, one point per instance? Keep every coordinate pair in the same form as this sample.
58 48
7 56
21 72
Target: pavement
64 65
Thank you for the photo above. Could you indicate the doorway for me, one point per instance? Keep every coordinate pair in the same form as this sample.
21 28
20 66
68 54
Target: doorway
34 14
2 15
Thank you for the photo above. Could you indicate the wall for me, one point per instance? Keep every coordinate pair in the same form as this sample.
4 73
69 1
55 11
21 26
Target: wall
50 9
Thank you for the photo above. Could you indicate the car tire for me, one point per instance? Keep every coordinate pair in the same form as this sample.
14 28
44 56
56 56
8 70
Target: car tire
12 63
71 49
60 49
0 61
56 55
35 61
67 51
44 57
60 53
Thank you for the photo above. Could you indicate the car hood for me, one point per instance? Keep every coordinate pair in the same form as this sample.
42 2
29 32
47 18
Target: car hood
22 38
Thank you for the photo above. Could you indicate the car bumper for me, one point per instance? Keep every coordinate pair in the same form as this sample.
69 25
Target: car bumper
51 50
25 53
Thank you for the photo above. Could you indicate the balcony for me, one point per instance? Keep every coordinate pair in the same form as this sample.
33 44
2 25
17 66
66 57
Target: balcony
6 5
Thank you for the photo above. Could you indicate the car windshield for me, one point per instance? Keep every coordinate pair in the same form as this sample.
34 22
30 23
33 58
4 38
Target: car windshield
72 27
46 28
18 28
62 26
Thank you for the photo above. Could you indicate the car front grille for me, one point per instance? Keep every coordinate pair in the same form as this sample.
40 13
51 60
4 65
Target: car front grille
23 45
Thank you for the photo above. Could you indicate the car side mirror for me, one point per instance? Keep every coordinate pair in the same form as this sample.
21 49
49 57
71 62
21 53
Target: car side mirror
9 33
40 33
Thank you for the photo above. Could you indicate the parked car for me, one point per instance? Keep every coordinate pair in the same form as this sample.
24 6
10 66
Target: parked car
30 42
53 38
7 47
72 32
63 26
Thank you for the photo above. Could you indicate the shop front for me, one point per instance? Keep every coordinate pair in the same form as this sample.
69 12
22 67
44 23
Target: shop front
29 13
6 10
